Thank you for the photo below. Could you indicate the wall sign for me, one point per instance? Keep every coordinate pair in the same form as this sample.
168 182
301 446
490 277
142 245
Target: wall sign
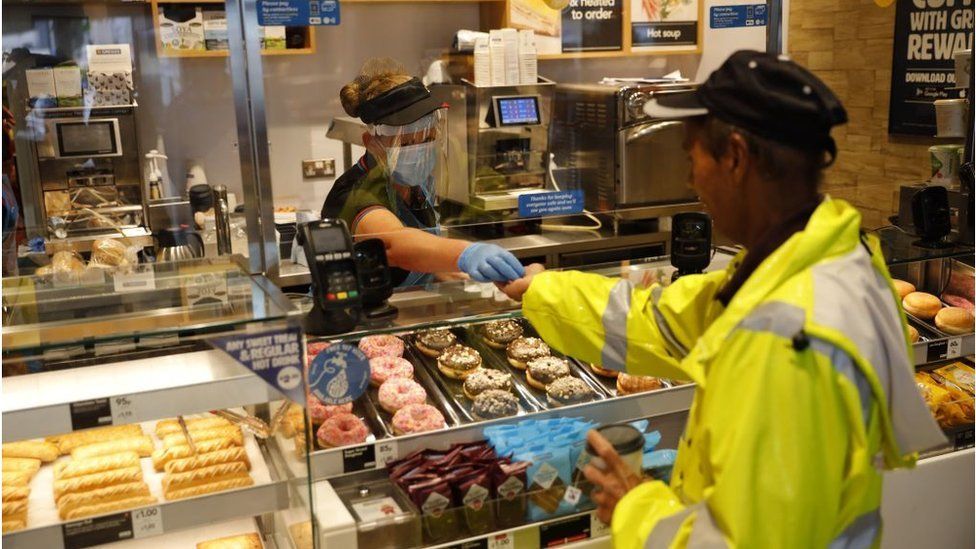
339 374
592 25
276 356
664 24
927 33
550 203
298 13
727 17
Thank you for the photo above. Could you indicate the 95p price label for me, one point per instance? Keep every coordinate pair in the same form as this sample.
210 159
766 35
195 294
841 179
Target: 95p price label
123 409
147 522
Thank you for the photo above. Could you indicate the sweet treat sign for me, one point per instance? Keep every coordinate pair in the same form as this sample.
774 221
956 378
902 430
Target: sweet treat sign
276 356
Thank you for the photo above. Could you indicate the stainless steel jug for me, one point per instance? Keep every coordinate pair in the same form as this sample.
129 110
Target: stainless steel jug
174 244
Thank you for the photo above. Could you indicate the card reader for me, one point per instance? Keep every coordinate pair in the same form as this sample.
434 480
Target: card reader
691 242
330 253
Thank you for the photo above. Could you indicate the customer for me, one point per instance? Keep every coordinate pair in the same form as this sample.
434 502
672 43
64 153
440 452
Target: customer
799 349
391 192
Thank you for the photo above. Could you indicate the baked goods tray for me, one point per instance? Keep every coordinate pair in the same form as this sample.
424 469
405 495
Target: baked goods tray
473 336
609 384
453 389
46 529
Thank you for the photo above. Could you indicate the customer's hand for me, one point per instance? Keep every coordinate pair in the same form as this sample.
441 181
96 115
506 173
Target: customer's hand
517 288
613 481
489 263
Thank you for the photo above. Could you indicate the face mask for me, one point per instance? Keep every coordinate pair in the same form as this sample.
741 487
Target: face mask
413 165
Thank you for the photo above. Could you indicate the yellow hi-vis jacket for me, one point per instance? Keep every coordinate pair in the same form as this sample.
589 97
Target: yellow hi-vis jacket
804 389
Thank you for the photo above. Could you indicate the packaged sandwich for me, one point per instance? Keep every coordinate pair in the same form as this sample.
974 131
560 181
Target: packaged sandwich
959 373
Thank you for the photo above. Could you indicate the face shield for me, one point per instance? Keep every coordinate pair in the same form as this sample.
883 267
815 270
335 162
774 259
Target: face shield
414 157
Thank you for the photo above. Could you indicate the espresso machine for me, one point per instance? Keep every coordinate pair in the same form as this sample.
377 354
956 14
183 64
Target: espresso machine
87 162
498 142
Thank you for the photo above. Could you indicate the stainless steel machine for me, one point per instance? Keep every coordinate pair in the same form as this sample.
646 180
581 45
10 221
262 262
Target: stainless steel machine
623 160
498 142
88 169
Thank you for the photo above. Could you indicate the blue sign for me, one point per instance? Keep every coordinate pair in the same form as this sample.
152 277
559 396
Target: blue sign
298 13
339 374
551 203
276 356
726 17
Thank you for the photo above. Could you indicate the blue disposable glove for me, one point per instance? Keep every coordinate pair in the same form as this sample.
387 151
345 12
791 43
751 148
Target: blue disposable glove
490 263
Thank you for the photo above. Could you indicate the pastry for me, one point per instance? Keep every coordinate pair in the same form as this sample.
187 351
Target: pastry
233 433
319 412
603 371
96 480
16 478
433 342
543 371
903 288
34 449
954 320
629 384
342 430
383 368
108 507
29 465
199 461
69 441
494 403
381 345
568 390
242 541
141 445
301 534
499 333
211 487
458 361
913 334
203 475
16 507
127 490
398 392
88 466
14 493
417 418
484 379
171 426
12 525
921 305
161 457
524 349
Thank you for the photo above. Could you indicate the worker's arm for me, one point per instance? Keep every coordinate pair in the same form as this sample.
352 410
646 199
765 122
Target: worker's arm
771 449
613 323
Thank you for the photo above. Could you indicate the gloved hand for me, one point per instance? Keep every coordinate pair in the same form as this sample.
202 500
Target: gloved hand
489 263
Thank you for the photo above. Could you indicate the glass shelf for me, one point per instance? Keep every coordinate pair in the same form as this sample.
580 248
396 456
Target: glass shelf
899 247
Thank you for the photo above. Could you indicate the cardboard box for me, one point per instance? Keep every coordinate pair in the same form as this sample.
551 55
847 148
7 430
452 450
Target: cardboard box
272 38
181 28
40 86
215 29
67 80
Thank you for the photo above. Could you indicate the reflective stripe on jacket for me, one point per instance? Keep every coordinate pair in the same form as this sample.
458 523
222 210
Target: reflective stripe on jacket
804 389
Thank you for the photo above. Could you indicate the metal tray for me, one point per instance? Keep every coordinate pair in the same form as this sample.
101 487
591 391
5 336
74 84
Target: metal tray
498 359
609 384
453 388
927 329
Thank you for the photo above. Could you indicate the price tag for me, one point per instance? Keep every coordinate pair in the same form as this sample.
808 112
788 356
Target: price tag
502 541
564 532
475 544
598 528
954 347
358 458
572 495
86 414
123 409
135 281
97 531
386 451
147 522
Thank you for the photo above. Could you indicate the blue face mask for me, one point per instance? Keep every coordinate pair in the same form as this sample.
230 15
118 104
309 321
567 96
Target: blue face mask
414 164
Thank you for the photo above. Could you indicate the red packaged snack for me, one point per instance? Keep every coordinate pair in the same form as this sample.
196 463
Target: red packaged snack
472 493
508 481
433 498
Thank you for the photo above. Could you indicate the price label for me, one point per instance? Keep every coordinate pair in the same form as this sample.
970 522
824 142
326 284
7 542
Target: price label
135 281
502 541
86 414
97 531
147 522
954 347
123 409
564 532
598 528
358 458
386 451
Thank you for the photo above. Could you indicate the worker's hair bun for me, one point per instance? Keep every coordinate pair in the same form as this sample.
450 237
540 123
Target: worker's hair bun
378 76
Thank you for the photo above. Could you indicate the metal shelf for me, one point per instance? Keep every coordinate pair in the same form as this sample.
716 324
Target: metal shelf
946 348
145 389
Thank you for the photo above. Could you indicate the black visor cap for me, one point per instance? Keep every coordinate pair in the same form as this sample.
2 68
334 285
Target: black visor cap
399 106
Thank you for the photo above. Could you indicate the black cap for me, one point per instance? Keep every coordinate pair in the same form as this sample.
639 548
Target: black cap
399 106
767 95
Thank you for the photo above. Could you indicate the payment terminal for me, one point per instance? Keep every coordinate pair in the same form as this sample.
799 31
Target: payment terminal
691 242
331 260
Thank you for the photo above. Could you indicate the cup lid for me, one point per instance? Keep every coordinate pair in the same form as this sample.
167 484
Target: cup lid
624 437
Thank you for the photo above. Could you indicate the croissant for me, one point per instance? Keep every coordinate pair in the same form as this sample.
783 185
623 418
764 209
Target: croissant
141 445
161 457
88 466
200 461
96 480
217 486
202 476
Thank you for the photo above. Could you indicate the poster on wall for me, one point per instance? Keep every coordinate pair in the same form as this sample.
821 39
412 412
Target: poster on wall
665 25
570 26
927 33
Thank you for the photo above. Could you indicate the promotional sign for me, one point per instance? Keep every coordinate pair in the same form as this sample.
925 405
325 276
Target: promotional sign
664 24
339 374
550 203
298 13
592 25
927 33
276 356
727 17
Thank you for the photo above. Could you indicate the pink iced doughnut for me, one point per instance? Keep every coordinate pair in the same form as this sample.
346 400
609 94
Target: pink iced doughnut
342 430
381 345
320 412
383 368
417 418
313 349
398 392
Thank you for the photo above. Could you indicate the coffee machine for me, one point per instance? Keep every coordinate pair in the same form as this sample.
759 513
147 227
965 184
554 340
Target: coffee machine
87 161
498 142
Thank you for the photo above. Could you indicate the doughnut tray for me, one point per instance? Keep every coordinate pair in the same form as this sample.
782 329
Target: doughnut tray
609 384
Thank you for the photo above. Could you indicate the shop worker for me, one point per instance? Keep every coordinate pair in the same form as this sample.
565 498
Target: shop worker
799 349
390 193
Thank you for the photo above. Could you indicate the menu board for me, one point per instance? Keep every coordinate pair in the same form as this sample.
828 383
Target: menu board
665 25
570 26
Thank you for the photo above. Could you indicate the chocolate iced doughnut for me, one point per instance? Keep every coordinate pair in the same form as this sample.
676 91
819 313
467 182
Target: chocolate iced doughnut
567 390
499 333
494 403
543 371
525 349
485 379
433 342
458 361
